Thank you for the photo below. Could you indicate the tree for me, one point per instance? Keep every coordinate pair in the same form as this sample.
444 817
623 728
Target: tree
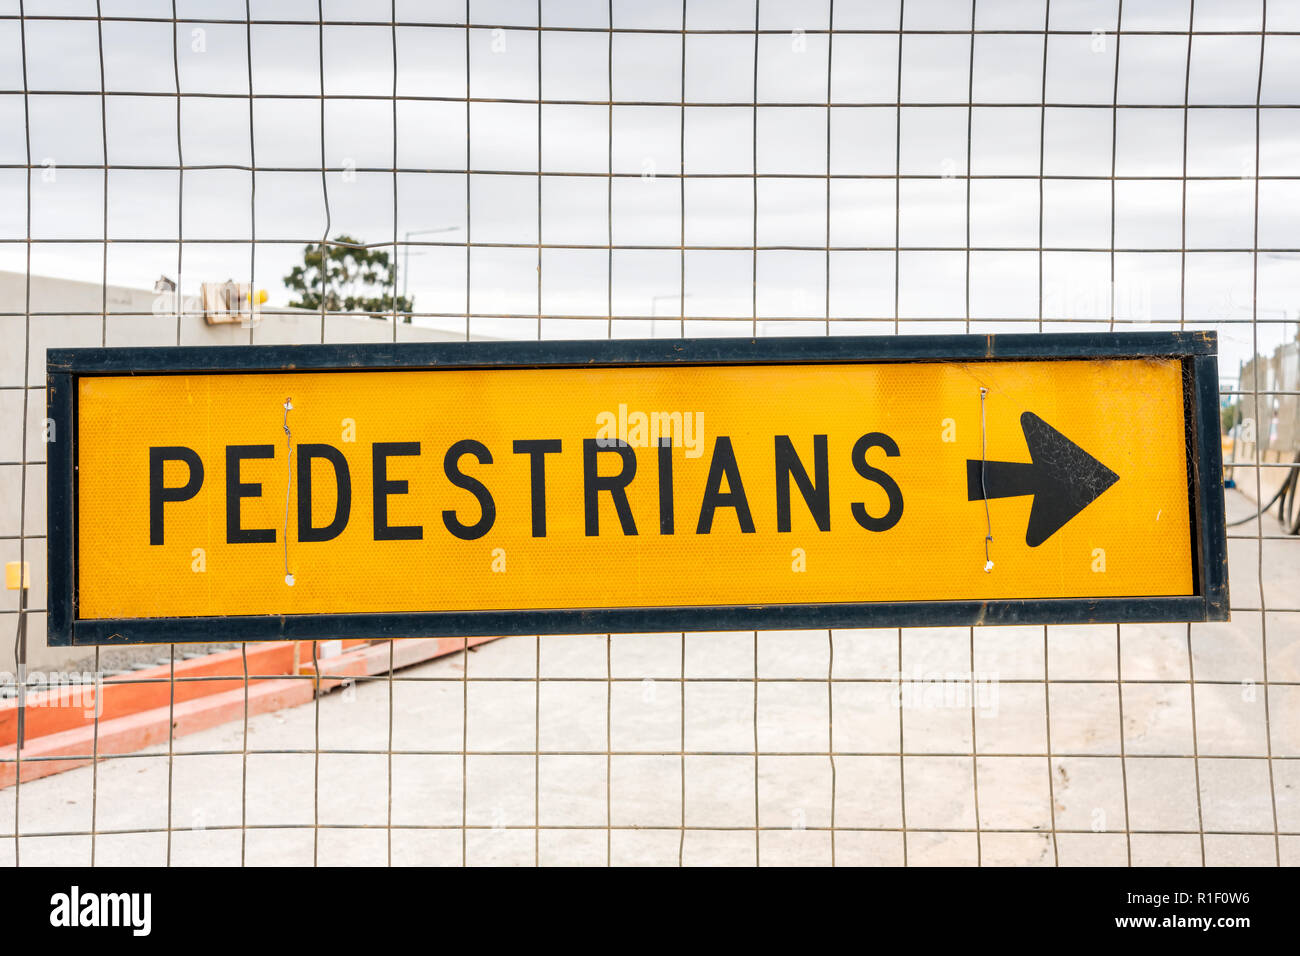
352 276
1228 416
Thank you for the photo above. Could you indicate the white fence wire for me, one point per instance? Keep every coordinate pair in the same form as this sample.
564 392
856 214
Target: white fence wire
587 169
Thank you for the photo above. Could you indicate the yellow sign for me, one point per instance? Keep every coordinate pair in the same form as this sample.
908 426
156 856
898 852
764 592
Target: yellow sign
645 486
18 575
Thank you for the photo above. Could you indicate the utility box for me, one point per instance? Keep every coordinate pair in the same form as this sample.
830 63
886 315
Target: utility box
232 303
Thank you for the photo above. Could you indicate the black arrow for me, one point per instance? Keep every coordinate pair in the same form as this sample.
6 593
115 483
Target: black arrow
1063 478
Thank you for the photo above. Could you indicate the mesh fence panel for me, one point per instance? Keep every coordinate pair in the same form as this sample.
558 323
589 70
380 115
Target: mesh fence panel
584 169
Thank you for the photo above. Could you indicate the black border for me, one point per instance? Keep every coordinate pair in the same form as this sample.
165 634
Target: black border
1196 350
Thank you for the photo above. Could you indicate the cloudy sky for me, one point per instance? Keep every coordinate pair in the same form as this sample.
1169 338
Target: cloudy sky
931 213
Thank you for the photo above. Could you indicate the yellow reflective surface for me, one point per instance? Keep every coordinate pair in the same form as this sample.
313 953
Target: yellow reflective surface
1134 539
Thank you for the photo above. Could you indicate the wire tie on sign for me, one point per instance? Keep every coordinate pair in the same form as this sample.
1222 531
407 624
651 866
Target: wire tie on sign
984 491
288 455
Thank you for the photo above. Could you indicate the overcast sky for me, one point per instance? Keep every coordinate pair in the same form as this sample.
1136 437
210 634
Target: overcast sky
367 132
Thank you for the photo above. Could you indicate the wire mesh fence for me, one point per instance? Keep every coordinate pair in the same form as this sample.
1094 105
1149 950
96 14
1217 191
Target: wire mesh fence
599 170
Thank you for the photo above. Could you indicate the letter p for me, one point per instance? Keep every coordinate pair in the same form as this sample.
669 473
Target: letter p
160 493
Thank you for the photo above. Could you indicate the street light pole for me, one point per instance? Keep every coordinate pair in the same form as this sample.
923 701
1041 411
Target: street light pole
406 249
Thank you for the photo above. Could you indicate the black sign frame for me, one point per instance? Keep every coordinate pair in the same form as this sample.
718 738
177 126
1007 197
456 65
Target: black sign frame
1197 352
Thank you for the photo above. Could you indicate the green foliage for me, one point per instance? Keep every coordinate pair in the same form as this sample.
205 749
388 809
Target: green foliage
1228 416
355 279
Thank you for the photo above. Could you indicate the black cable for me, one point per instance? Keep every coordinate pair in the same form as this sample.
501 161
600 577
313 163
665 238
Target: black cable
1287 506
1287 492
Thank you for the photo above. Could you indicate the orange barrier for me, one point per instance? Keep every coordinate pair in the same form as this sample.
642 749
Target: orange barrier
136 708
137 731
49 711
